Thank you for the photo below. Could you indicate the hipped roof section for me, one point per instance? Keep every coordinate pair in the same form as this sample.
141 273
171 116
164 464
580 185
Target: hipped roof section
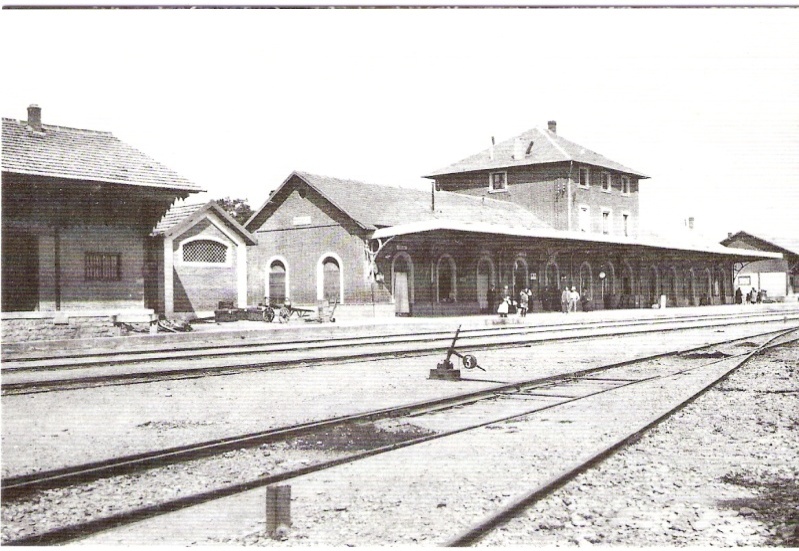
373 206
79 154
547 147
790 245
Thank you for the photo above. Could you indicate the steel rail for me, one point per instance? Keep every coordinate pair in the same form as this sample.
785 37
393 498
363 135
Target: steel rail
82 530
86 381
19 486
506 513
84 358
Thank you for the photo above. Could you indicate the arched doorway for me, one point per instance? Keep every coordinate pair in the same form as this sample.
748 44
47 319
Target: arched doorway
278 282
520 275
654 285
485 281
607 284
627 286
330 284
721 283
445 271
670 285
586 288
402 283
690 287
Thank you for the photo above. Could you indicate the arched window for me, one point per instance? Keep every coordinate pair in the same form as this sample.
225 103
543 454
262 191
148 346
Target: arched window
691 281
277 282
654 285
331 276
402 282
485 281
608 283
445 272
586 281
552 275
520 277
204 251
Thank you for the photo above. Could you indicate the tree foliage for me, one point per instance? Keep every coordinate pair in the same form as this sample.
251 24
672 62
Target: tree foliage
239 209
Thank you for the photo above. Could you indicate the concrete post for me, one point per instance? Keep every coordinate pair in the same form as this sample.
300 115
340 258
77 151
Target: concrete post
278 511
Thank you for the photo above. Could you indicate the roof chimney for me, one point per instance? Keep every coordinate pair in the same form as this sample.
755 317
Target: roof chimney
35 117
690 222
553 126
491 151
518 149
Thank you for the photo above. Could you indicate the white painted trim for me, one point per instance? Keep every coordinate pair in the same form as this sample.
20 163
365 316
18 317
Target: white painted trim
491 182
411 285
582 207
241 274
169 278
587 179
268 272
320 276
602 175
603 210
629 185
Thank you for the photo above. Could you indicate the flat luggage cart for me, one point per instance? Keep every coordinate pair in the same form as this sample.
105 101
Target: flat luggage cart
288 310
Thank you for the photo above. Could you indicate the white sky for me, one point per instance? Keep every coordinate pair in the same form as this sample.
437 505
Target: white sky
705 101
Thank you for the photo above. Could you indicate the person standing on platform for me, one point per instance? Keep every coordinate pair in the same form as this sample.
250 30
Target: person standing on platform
564 300
491 296
738 296
523 303
574 298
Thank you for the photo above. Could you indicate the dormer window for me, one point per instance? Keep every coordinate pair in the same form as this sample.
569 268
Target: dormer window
605 178
497 181
584 177
625 185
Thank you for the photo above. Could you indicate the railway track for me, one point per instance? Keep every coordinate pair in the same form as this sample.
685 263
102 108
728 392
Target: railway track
560 390
82 370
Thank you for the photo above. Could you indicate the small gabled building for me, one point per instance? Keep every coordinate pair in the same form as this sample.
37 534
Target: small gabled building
778 277
78 207
201 257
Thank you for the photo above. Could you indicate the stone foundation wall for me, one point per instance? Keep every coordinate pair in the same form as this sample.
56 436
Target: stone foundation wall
18 327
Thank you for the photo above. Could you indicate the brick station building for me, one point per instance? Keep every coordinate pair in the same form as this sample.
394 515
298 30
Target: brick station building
536 211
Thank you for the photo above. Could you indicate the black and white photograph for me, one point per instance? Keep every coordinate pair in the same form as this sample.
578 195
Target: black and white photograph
417 275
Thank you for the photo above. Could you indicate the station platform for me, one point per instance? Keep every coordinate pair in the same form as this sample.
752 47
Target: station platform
221 333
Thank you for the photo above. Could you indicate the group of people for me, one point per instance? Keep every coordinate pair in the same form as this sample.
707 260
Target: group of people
569 299
752 297
505 305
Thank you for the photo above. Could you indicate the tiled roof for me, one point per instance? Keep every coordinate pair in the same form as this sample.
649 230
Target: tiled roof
78 154
182 216
788 244
547 147
174 216
412 227
373 206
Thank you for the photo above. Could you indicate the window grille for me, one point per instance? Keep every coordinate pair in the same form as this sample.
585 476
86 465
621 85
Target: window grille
205 251
103 267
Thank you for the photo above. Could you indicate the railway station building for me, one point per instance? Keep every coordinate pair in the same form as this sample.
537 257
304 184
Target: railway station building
779 278
78 208
536 211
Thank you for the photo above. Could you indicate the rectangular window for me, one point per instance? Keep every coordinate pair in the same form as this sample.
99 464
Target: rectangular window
585 218
625 185
498 181
606 182
103 267
744 280
626 219
606 222
585 177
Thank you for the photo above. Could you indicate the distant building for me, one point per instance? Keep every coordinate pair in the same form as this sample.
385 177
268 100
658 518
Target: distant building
78 207
200 254
778 277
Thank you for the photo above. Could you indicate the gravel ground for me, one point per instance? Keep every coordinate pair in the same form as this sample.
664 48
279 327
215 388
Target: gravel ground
428 493
510 440
722 472
51 430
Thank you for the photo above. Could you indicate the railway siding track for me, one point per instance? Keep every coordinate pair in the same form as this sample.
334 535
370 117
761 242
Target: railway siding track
43 375
572 389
